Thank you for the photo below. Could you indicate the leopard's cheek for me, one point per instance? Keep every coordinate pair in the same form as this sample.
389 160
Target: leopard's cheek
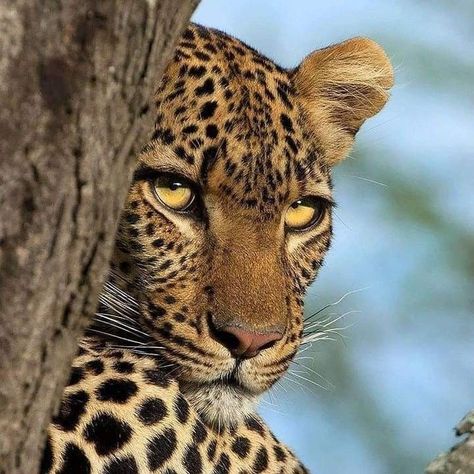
159 259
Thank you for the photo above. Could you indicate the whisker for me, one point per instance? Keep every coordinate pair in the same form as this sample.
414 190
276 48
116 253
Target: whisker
352 292
294 381
370 181
114 336
107 320
330 384
309 381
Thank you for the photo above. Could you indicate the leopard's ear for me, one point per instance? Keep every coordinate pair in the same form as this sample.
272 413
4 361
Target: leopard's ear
339 87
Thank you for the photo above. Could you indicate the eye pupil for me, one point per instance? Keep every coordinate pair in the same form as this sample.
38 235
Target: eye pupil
174 186
296 204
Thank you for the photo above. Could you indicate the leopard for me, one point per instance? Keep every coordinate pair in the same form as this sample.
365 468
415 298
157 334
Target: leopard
227 222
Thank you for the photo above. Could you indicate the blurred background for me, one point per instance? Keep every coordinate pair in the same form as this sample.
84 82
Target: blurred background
384 396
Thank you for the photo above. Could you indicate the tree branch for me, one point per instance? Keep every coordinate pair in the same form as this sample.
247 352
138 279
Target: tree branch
460 459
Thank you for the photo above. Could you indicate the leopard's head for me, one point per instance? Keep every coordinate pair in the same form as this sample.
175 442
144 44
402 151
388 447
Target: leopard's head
228 218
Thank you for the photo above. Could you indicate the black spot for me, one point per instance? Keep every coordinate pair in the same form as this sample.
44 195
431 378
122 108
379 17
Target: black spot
156 311
208 109
180 110
126 465
210 47
47 459
279 453
156 377
163 135
72 408
305 274
179 317
182 70
283 90
150 229
192 460
166 264
170 299
223 465
199 433
211 131
136 246
116 390
107 433
181 408
152 411
77 374
124 367
286 122
254 425
181 153
187 44
209 158
291 144
211 450
261 460
157 243
197 71
114 354
188 35
161 448
176 93
202 56
131 217
125 267
241 446
74 461
206 88
190 129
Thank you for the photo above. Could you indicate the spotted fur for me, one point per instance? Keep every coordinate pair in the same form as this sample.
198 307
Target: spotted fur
156 387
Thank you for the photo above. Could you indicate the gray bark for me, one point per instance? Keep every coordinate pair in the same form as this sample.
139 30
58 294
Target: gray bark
76 81
460 458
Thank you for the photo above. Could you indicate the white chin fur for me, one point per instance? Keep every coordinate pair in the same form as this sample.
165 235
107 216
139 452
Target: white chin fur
219 404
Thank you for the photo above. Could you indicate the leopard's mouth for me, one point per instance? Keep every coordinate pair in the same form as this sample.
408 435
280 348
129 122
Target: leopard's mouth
230 381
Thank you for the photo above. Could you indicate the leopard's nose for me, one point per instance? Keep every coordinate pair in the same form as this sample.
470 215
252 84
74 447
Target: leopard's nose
246 344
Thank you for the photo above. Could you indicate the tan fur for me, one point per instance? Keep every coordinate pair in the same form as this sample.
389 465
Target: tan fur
340 87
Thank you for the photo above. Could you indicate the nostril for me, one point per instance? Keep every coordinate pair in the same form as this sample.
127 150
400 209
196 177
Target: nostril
227 340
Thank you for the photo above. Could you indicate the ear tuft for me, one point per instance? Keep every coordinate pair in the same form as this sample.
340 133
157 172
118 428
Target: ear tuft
341 86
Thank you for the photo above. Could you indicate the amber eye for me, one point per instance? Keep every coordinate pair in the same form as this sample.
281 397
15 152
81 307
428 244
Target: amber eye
174 192
304 213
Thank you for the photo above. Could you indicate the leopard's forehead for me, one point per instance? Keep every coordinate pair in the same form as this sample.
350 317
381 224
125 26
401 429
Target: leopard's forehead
229 117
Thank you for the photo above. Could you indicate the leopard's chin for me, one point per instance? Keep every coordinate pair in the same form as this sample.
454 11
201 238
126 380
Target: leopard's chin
221 403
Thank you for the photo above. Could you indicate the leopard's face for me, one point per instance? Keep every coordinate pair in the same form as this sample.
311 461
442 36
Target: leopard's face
228 220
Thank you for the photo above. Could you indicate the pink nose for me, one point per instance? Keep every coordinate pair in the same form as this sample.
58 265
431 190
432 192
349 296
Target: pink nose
246 344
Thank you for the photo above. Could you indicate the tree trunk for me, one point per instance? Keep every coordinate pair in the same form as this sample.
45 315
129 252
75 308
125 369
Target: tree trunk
76 81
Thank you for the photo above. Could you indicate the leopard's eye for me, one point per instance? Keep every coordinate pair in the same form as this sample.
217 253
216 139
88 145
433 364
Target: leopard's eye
304 213
174 192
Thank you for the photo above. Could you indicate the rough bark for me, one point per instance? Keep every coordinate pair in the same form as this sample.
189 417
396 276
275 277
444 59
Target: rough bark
76 81
460 458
